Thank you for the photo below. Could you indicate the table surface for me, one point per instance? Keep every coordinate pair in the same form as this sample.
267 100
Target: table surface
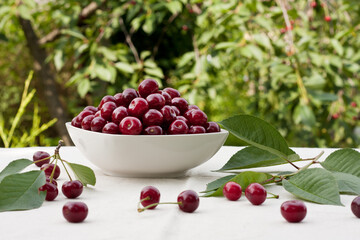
113 208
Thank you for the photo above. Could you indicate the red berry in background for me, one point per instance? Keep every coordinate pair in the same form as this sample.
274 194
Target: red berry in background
91 108
313 4
75 122
130 126
86 122
118 114
168 113
152 117
149 195
107 110
111 128
97 124
256 193
355 206
196 117
182 118
41 155
293 211
153 130
51 191
353 104
196 130
188 201
48 168
105 99
72 189
127 96
327 18
167 97
282 30
156 101
178 127
172 92
180 103
335 116
75 212
212 127
147 87
185 27
138 107
232 191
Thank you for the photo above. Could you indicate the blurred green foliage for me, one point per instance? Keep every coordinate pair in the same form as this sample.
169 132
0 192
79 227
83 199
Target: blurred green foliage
279 60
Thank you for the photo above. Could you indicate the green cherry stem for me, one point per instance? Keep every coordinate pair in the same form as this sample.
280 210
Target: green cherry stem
273 195
155 204
67 172
43 159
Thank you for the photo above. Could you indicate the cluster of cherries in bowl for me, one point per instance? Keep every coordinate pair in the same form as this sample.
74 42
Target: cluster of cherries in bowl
148 111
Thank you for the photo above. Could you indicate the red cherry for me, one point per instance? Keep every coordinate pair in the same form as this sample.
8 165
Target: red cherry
232 191
355 206
107 110
335 115
196 117
152 117
118 114
313 4
51 191
48 169
178 127
130 126
75 212
83 114
138 107
72 189
212 127
156 101
97 124
353 104
167 97
105 99
110 128
188 201
172 92
126 97
327 18
86 122
75 122
196 130
91 108
149 195
147 87
41 155
293 211
168 113
256 193
180 103
153 130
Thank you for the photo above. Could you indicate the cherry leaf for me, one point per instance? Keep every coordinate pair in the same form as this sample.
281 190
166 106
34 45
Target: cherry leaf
348 184
85 174
15 167
344 160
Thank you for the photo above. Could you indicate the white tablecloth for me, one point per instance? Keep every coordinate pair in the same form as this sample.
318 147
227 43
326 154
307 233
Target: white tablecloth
113 202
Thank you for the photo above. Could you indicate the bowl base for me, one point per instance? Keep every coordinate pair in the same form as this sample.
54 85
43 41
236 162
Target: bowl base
146 175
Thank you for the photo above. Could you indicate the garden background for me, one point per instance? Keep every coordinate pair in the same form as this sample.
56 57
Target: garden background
293 63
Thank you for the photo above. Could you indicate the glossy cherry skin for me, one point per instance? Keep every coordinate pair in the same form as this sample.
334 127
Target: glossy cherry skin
192 106
86 122
153 130
183 119
188 201
91 108
75 212
75 122
196 117
167 97
172 92
41 155
130 126
168 113
72 189
127 96
180 103
107 110
53 181
138 107
232 191
196 130
111 128
83 114
151 194
118 114
355 206
212 127
152 117
97 124
156 101
48 168
51 191
178 127
256 193
293 211
176 110
105 99
147 87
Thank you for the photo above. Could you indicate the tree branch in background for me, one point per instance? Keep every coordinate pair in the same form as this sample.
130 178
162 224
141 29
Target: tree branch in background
289 39
129 41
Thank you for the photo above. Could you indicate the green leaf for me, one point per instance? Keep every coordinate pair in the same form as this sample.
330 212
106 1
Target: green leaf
124 67
73 33
174 7
102 72
337 46
24 12
347 183
315 185
20 191
214 185
58 59
344 160
15 167
244 179
156 72
304 114
85 174
260 134
225 45
252 157
84 87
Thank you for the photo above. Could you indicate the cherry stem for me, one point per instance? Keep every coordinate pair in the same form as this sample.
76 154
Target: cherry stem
273 195
57 149
43 159
67 172
155 204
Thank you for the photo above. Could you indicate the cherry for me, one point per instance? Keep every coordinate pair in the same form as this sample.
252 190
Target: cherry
212 127
167 97
172 92
178 127
313 4
188 201
91 108
48 169
97 124
353 104
196 130
152 117
192 106
196 117
176 110
83 114
107 110
138 107
355 206
51 191
180 103
72 189
293 211
127 96
256 193
41 155
149 195
75 212
75 122
153 130
232 191
98 114
53 181
147 87
327 18
183 119
111 128
130 126
86 122
155 100
119 100
118 114
105 99
335 115
168 113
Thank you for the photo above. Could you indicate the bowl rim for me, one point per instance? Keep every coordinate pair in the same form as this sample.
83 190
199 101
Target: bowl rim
222 131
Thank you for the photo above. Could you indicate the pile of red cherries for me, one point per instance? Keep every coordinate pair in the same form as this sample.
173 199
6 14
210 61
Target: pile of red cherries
148 111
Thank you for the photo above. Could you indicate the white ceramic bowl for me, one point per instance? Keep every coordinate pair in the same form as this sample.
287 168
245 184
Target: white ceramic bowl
144 155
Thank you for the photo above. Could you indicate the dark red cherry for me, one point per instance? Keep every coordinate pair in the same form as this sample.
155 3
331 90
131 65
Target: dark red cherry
196 130
53 181
51 191
147 87
38 155
232 191
182 118
86 122
105 99
91 108
111 128
176 110
256 193
355 206
75 212
156 101
130 126
172 92
48 169
293 211
192 106
168 113
83 114
149 195
153 130
152 117
107 110
97 124
167 97
118 114
188 201
180 103
196 117
178 127
72 189
127 96
75 122
212 127
138 107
